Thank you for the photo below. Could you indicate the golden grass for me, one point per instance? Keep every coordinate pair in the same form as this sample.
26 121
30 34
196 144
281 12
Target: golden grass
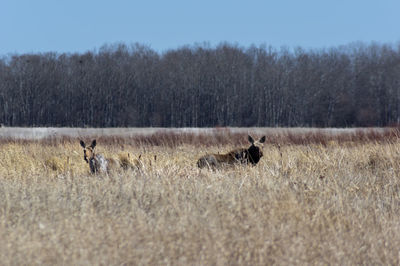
302 204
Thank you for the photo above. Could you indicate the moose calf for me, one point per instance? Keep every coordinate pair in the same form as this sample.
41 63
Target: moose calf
97 162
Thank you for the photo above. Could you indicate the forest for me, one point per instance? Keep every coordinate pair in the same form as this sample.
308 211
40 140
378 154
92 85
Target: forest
120 85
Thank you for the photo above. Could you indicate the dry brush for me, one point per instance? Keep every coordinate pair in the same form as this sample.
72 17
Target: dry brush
312 199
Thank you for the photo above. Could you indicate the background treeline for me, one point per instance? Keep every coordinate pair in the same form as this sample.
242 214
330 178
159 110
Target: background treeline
203 86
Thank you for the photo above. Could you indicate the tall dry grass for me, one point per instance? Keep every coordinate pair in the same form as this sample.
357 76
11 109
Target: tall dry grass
311 200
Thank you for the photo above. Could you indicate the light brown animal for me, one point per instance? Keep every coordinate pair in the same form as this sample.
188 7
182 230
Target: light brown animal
97 162
100 164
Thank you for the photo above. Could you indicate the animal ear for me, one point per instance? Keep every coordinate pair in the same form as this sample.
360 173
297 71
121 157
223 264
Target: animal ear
262 140
251 139
93 144
82 144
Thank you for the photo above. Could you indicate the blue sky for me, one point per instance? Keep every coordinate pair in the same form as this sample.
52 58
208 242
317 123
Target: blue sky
32 26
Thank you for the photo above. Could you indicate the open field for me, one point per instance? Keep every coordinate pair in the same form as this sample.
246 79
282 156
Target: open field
315 198
46 132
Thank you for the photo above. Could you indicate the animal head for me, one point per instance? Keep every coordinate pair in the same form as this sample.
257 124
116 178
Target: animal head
88 151
254 151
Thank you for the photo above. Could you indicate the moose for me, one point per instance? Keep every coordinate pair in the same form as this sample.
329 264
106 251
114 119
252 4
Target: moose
97 162
252 156
100 164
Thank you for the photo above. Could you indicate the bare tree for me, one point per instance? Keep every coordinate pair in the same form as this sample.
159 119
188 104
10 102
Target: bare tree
226 85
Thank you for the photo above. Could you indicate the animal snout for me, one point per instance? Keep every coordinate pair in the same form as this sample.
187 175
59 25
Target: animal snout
85 156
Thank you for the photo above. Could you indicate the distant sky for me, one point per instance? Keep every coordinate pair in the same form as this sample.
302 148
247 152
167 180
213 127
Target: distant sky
32 26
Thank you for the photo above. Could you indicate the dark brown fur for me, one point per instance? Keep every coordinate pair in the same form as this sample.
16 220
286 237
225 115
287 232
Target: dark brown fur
252 155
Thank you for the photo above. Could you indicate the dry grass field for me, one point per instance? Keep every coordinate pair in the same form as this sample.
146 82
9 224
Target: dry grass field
313 199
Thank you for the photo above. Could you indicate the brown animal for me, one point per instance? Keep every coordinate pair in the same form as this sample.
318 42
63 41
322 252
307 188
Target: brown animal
252 155
126 162
97 162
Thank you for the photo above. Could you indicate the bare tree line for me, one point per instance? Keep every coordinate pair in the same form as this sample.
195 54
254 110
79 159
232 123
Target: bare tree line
202 86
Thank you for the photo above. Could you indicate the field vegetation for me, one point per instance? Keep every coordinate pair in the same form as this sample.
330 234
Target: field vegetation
314 198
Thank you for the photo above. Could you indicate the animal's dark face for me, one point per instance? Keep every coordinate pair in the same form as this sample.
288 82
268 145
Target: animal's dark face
88 151
255 152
